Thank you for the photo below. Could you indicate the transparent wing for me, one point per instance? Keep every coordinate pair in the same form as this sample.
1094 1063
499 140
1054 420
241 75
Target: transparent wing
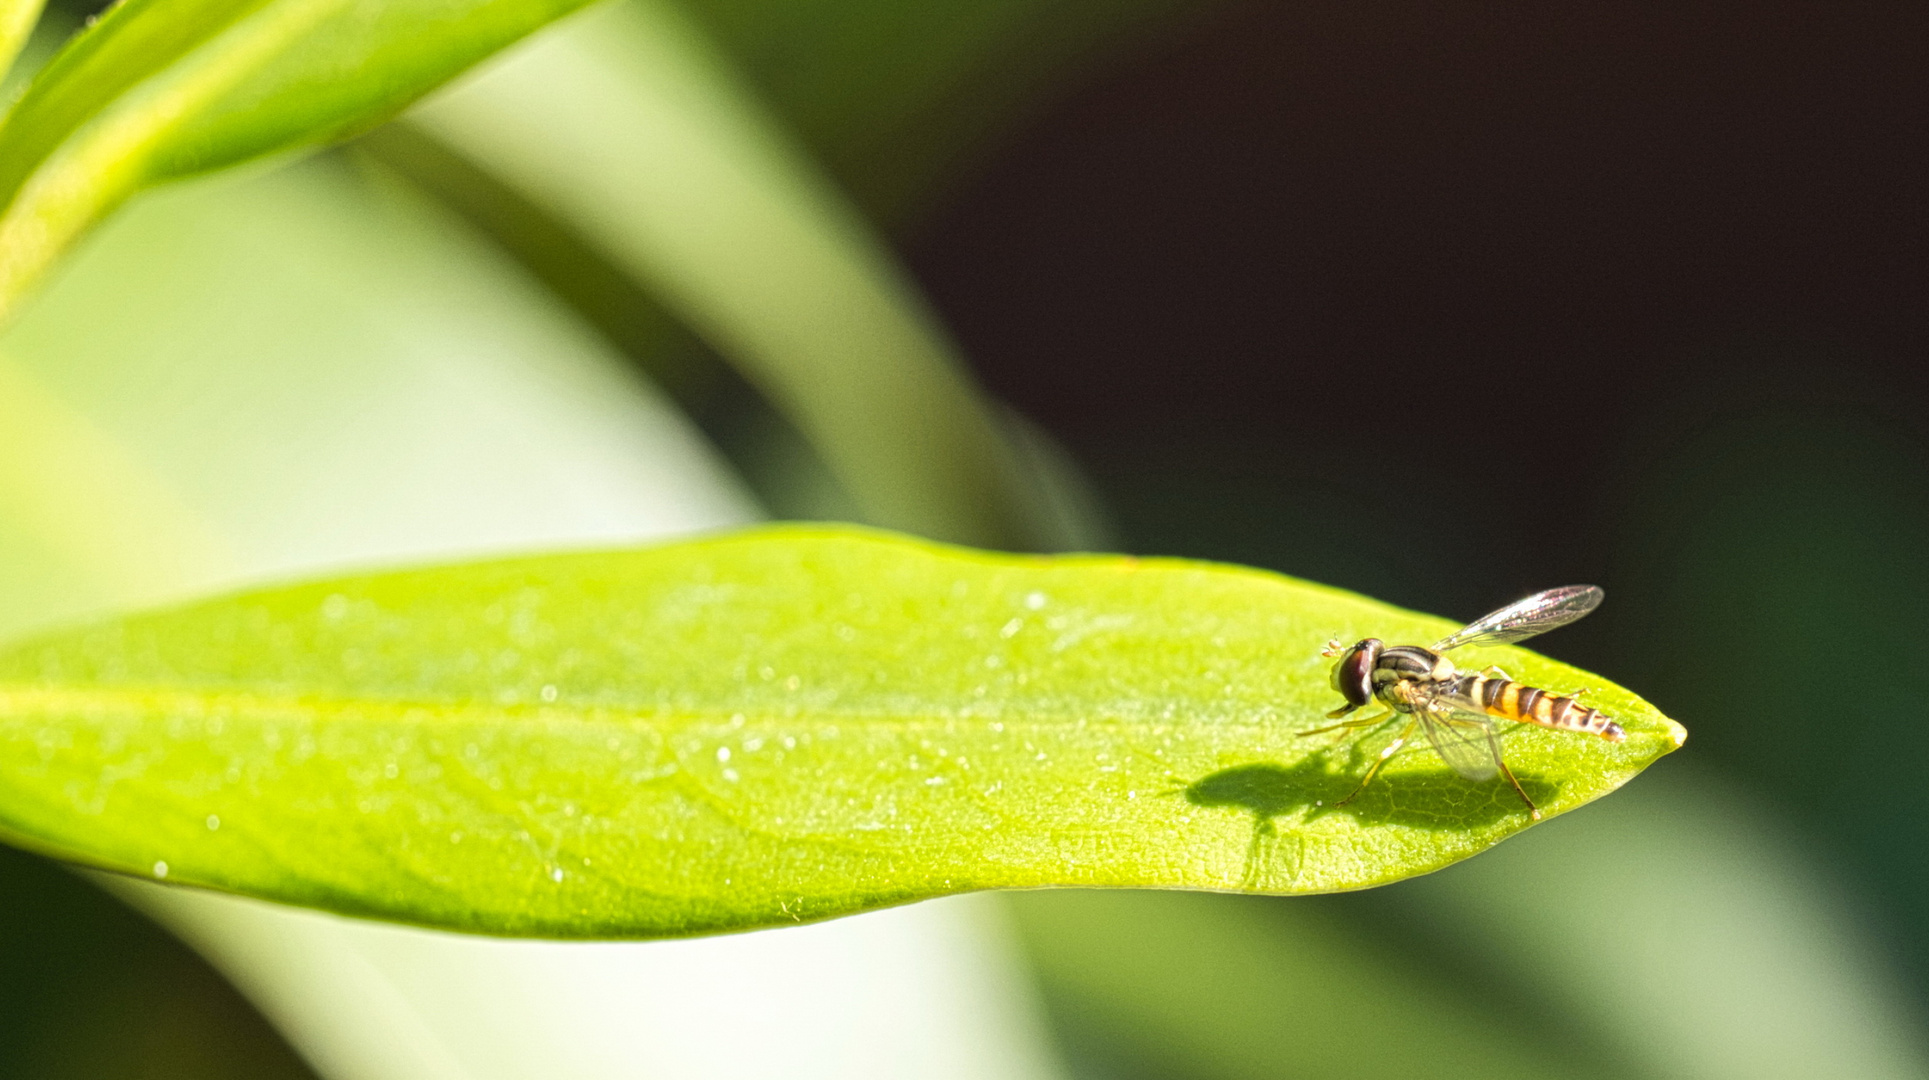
1522 619
1463 737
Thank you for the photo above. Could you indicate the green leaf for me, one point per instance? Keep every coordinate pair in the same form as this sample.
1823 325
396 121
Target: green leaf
776 725
162 89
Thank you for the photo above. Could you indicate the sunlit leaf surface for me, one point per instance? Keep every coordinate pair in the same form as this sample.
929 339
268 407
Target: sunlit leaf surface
782 724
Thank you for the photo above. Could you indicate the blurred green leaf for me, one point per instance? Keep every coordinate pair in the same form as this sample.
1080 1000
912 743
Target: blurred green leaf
563 259
17 19
1721 951
886 94
775 725
630 128
1226 988
161 89
90 990
253 377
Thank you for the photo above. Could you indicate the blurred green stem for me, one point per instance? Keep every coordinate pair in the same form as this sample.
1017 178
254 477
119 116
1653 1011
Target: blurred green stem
17 19
627 127
81 496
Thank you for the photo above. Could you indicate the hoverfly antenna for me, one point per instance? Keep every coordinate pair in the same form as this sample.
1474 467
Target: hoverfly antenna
1333 648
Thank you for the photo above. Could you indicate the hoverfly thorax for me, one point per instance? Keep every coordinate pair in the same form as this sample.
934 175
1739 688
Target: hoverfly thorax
1353 674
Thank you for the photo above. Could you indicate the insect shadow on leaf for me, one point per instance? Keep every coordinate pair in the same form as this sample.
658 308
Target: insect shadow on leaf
1309 790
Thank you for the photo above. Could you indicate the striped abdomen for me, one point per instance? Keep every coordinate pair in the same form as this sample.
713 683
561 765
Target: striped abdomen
1510 700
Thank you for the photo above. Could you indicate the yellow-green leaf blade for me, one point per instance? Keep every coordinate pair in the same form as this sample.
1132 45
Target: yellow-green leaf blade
785 723
162 89
17 19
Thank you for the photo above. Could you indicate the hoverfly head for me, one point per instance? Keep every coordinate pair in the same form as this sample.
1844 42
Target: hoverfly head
1353 673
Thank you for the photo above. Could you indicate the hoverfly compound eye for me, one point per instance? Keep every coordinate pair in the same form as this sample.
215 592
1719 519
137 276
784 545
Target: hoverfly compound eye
1353 674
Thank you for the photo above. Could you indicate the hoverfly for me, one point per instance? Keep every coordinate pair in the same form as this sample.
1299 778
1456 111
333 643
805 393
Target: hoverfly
1457 710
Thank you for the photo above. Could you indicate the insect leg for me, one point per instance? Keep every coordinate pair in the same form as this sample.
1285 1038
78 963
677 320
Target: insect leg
1500 761
1532 810
1495 671
1391 749
1366 722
